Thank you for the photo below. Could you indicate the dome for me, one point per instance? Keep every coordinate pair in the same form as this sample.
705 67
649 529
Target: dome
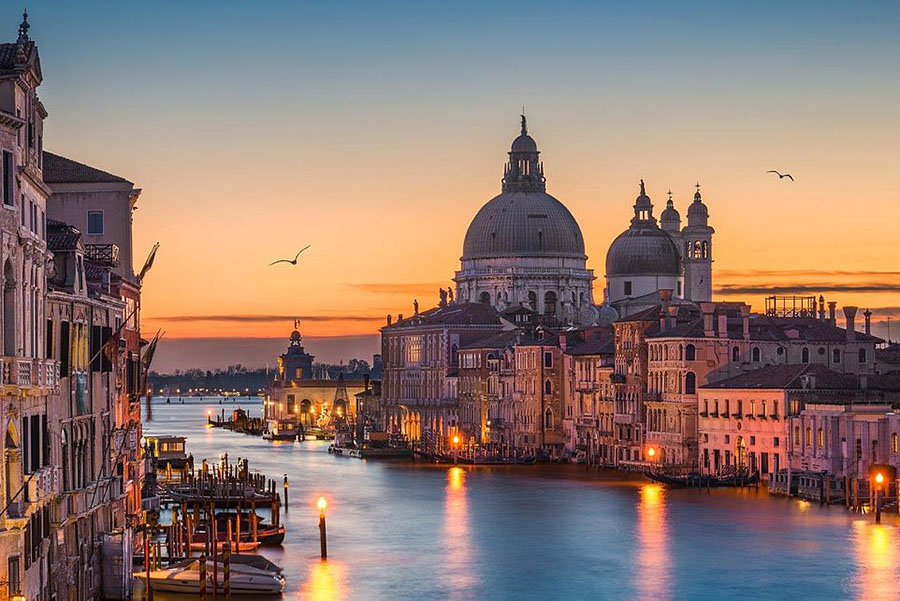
670 215
524 143
523 224
697 211
643 249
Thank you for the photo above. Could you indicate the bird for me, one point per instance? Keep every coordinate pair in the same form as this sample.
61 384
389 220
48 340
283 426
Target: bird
781 176
291 261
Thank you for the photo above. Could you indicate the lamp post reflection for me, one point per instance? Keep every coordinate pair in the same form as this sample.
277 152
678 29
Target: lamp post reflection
458 559
877 560
652 576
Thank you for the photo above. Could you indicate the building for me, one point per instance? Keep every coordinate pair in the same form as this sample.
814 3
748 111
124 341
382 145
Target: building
538 395
647 258
30 379
421 366
524 248
588 388
295 395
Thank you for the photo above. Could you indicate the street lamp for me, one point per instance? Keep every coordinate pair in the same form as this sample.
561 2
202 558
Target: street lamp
879 479
322 538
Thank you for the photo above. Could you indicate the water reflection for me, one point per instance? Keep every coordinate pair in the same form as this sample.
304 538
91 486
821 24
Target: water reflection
876 560
326 581
652 550
459 571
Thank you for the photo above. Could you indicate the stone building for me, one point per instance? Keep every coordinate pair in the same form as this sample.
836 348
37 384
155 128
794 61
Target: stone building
524 248
538 395
29 476
589 393
647 258
420 359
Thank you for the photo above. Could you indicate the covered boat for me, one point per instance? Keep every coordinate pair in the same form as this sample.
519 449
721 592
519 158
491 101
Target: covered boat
245 579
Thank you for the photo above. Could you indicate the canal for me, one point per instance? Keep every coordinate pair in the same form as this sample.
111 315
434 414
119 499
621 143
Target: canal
413 531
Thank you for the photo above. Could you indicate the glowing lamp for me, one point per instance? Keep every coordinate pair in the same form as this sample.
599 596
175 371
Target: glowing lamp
209 412
651 452
879 477
322 504
455 439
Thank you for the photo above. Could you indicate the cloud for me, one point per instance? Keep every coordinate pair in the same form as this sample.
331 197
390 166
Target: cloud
812 289
262 318
775 273
400 288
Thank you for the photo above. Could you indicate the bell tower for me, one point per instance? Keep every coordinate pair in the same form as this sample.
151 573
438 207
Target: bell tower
697 252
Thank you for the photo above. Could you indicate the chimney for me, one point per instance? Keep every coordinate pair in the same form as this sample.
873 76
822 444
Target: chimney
665 295
868 316
850 314
832 305
366 383
745 320
821 307
723 325
708 309
673 315
562 342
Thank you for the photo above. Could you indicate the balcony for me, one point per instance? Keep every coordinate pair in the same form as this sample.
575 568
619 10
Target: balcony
25 373
102 254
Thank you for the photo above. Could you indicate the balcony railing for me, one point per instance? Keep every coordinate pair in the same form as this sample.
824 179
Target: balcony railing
17 371
104 254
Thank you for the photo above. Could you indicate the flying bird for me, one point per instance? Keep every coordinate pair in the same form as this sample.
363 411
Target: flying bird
291 261
781 176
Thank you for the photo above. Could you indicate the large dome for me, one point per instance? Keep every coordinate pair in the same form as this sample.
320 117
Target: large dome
523 224
643 249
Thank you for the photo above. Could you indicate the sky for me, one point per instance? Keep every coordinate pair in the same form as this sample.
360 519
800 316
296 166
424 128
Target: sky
375 131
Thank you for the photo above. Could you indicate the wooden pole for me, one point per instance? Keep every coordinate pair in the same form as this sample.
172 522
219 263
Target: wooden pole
203 578
148 593
214 536
322 537
226 556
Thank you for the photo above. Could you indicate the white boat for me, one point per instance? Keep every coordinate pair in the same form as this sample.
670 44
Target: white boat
184 577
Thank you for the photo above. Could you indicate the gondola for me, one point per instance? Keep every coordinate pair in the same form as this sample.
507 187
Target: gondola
703 481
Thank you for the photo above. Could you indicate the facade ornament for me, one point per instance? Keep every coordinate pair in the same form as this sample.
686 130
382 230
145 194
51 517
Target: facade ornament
450 293
443 295
415 307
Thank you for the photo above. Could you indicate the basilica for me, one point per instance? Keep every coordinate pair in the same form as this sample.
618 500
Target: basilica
525 249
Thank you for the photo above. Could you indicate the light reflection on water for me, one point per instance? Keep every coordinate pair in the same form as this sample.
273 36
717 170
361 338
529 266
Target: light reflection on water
413 531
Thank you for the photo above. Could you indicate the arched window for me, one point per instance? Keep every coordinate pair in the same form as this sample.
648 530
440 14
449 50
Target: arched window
548 387
804 355
735 354
690 352
705 249
697 251
532 300
755 355
9 310
550 303
548 418
894 444
666 352
862 355
797 435
808 437
454 355
690 383
836 355
820 438
680 352
485 298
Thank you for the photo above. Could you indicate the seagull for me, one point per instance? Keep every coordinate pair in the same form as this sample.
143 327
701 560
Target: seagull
780 176
291 261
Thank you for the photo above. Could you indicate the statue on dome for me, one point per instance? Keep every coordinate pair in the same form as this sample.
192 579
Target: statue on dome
443 294
450 293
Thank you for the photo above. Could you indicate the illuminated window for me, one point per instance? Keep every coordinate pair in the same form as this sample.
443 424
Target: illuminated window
808 436
820 438
894 448
796 435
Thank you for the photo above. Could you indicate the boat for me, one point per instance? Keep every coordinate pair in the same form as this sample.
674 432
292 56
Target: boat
316 433
245 579
694 480
249 545
280 429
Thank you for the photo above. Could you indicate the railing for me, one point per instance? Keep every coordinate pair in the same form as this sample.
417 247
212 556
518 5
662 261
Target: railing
17 371
104 254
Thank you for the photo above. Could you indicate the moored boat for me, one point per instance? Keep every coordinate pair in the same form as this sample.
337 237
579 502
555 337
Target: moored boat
244 579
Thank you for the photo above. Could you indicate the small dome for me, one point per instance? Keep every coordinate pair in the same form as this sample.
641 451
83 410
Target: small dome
643 249
697 212
608 314
524 143
670 215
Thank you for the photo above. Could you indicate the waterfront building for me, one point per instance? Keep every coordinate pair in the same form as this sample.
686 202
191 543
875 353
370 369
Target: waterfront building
486 380
421 366
538 394
294 395
588 423
524 248
29 476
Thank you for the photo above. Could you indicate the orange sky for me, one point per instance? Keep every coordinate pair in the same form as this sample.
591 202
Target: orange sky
376 135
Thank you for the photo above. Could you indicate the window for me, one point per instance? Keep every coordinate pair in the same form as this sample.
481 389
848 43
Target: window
95 222
804 355
8 198
820 438
796 435
485 298
550 303
894 448
775 441
755 355
548 387
836 355
690 383
862 355
627 288
548 359
12 571
690 352
735 354
678 293
807 439
548 418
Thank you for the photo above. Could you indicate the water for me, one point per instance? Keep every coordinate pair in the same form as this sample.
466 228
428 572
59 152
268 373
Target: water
411 531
